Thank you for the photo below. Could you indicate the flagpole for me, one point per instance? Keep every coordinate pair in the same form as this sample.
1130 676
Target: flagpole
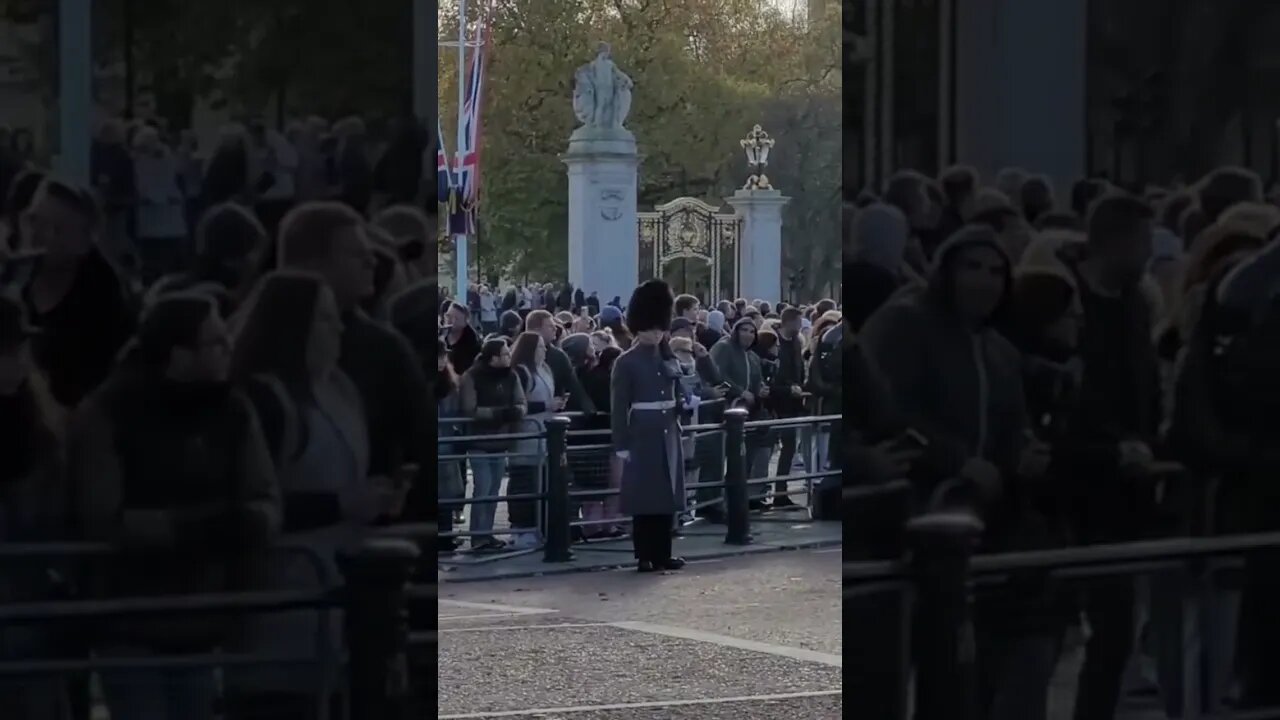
460 239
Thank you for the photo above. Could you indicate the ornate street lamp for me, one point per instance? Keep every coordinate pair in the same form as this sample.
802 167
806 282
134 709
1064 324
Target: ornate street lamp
757 145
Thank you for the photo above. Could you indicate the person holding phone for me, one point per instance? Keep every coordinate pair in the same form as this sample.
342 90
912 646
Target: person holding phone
958 382
529 360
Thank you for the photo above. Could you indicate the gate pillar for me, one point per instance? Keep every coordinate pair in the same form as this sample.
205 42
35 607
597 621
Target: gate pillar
760 248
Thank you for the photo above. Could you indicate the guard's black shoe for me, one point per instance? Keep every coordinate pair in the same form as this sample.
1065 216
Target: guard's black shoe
674 563
782 501
645 566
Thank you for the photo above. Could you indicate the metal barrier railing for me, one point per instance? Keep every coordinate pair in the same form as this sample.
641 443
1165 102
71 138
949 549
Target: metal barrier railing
372 596
910 598
557 497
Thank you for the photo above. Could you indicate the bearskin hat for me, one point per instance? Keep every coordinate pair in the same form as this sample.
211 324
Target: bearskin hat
651 306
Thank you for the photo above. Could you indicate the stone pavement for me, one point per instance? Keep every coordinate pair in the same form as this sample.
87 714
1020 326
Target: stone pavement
747 638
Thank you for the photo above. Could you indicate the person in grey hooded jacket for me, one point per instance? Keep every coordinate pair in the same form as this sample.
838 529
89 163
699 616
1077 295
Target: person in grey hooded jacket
955 379
958 383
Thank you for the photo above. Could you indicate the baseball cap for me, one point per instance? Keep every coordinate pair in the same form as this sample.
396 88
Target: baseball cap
681 323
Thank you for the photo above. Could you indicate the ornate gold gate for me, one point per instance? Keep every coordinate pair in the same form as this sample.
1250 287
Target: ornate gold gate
693 246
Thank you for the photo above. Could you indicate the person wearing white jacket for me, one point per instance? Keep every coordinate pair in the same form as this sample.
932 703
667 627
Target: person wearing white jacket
161 235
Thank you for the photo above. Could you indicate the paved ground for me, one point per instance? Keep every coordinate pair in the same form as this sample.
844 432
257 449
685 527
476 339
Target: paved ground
753 637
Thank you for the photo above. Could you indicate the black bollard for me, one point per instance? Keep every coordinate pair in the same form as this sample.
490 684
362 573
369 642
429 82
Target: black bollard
558 516
878 665
377 625
945 653
736 504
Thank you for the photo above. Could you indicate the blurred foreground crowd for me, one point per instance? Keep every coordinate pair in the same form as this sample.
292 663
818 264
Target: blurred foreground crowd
1093 367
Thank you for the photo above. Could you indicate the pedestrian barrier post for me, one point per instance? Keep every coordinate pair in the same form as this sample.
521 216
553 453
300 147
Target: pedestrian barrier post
942 545
375 596
878 666
737 519
559 536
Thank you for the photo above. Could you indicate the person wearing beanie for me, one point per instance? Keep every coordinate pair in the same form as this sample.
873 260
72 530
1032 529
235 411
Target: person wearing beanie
611 319
647 401
578 348
510 325
709 333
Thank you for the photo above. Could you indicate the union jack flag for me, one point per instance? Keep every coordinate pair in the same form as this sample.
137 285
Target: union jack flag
467 160
444 178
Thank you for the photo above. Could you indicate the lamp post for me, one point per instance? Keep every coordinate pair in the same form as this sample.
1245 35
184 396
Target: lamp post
757 145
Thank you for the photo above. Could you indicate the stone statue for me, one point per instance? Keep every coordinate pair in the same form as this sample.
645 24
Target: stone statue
601 92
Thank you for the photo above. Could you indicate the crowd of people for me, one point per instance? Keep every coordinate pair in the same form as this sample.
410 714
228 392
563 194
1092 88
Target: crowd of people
1076 370
511 360
195 364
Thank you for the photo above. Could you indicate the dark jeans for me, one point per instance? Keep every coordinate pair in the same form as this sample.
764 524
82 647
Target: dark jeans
651 537
786 456
709 449
523 481
1108 605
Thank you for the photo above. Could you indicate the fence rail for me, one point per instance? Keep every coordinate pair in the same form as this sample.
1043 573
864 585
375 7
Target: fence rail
555 502
917 577
373 594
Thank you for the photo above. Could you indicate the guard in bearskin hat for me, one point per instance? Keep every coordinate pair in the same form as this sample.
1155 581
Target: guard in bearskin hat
647 402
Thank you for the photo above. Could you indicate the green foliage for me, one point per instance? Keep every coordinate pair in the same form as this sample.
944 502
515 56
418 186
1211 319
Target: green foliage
705 71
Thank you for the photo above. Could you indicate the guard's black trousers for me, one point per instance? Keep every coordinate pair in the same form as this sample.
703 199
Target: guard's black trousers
651 537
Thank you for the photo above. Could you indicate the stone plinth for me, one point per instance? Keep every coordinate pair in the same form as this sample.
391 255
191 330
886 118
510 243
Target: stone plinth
603 254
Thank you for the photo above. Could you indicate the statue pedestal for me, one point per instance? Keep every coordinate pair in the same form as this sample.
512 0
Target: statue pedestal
603 252
760 249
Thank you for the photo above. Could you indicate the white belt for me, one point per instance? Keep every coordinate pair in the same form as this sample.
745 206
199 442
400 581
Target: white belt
656 405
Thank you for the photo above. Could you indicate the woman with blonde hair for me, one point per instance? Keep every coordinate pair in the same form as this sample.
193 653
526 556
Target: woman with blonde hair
529 360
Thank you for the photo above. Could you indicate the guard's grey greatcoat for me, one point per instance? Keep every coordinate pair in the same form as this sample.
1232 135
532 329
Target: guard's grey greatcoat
653 478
